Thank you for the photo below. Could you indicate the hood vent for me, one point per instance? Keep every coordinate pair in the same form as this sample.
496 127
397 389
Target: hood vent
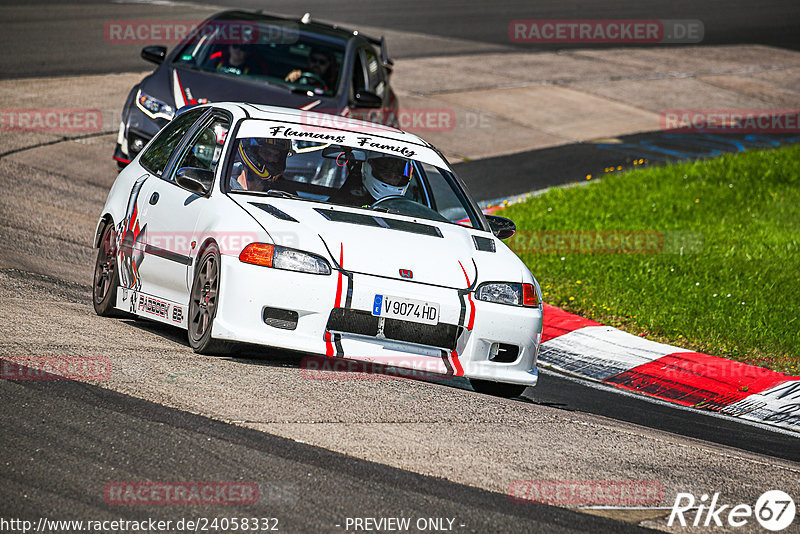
381 222
484 244
275 212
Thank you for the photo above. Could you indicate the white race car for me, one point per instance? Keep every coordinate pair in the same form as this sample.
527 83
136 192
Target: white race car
319 234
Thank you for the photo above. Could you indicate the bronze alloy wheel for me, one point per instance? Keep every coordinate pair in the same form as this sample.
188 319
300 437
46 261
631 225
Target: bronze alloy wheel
203 304
106 274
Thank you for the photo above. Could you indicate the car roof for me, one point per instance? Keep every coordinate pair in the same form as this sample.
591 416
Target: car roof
329 30
261 111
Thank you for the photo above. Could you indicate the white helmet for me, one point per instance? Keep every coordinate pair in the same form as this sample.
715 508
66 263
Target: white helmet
386 176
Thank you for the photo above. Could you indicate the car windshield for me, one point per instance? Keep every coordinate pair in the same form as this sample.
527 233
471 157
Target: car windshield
274 52
347 176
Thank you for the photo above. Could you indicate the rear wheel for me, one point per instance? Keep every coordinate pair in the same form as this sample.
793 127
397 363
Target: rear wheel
497 389
106 275
203 305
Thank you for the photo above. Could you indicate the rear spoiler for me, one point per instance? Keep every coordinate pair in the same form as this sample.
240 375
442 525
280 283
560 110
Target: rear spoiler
386 61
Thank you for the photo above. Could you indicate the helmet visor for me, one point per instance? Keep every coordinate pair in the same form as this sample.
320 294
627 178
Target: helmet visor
265 157
392 171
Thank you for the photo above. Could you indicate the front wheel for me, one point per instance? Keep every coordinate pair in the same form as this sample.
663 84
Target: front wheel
106 275
497 389
203 303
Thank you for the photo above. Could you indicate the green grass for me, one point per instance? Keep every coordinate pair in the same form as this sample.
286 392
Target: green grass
735 294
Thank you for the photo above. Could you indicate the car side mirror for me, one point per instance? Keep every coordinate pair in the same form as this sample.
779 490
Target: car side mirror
195 180
156 54
501 227
367 99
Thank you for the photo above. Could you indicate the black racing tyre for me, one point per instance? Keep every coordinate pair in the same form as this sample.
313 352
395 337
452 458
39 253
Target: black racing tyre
203 302
106 275
497 389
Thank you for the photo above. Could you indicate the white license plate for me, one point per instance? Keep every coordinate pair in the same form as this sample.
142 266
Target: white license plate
417 311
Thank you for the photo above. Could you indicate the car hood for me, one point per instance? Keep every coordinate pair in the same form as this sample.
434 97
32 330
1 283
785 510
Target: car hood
187 86
380 244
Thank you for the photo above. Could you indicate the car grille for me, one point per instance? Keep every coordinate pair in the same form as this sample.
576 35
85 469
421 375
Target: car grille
360 322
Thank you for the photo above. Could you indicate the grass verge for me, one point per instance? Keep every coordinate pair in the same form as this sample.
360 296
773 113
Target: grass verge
704 255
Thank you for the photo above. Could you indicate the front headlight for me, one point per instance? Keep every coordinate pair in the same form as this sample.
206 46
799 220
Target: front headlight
284 258
508 293
153 107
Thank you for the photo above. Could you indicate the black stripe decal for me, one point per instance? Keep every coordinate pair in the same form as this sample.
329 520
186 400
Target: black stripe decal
337 340
348 300
167 255
463 313
446 361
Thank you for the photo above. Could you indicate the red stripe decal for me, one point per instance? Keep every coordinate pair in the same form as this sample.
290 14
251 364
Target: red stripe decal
692 378
337 303
469 298
471 312
557 322
215 55
133 217
339 283
456 363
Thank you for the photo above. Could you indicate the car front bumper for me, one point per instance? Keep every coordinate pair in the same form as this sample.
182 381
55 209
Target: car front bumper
501 345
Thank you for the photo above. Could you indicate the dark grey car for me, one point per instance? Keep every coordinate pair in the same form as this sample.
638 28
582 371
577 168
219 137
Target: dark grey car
261 59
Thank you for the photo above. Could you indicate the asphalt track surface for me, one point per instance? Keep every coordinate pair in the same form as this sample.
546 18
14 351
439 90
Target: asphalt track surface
50 38
62 440
561 392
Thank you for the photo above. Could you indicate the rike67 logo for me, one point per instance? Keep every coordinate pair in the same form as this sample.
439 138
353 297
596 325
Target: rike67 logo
774 510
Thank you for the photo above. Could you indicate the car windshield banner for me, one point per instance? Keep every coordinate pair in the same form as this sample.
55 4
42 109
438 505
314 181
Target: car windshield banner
369 139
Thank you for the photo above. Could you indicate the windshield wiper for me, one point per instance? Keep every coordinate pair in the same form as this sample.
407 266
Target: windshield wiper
281 194
388 210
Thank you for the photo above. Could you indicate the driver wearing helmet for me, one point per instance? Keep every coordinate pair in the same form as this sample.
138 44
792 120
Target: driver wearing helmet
259 163
386 176
380 177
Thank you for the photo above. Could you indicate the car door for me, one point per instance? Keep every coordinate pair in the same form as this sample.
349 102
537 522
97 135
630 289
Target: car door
133 228
172 211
